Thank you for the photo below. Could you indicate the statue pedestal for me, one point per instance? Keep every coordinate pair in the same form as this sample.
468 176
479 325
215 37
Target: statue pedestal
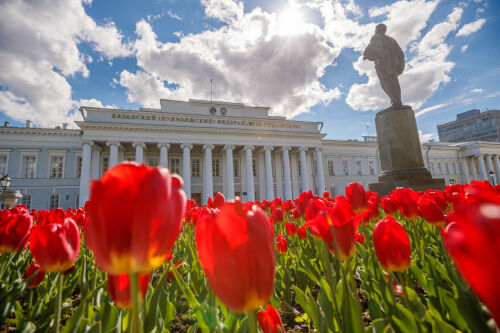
401 161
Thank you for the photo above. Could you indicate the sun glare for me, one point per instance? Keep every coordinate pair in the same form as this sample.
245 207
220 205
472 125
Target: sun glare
291 21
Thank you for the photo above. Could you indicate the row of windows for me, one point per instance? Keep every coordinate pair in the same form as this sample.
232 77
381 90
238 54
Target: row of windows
28 166
53 201
345 168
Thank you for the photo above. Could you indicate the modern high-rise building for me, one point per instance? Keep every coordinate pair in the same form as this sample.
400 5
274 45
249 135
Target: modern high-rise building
472 125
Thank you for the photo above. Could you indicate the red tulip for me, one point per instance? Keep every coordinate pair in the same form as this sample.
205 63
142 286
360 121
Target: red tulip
360 238
281 244
407 200
392 245
270 320
291 228
430 211
472 239
357 197
55 244
218 200
119 288
389 205
38 278
326 194
277 216
135 216
236 251
302 233
15 228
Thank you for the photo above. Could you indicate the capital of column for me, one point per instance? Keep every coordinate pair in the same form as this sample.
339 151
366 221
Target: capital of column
249 147
208 147
318 149
268 148
114 143
286 148
229 147
162 144
88 142
186 145
139 144
303 148
479 155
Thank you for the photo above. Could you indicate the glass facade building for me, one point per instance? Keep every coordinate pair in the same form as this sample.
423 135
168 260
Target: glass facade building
472 125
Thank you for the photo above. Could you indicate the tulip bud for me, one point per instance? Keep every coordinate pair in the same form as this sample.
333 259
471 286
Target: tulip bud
357 197
392 245
236 251
135 216
270 320
37 280
407 200
277 216
302 233
15 228
291 228
119 288
430 211
281 244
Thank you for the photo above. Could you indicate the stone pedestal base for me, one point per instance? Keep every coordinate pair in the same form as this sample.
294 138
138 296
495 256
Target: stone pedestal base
400 154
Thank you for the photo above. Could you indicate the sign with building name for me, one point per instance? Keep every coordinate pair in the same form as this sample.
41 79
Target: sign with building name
199 120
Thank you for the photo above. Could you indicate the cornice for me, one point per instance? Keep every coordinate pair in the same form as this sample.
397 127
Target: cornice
194 130
40 131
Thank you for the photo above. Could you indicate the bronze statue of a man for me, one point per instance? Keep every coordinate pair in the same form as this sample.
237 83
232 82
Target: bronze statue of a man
389 62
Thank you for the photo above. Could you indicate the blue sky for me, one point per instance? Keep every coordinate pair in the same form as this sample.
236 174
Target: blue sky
301 58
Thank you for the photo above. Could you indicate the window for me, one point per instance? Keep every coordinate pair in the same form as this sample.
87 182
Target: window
195 167
53 201
371 165
440 168
26 200
29 166
236 167
332 191
175 165
3 164
447 168
153 162
345 168
298 168
105 164
254 168
56 166
216 167
77 200
431 167
358 168
331 169
454 168
78 167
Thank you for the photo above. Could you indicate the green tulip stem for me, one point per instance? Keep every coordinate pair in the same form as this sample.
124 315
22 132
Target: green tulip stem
252 322
329 276
135 324
30 299
60 280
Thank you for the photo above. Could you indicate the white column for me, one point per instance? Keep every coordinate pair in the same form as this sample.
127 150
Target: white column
497 167
139 151
269 173
482 168
229 172
319 169
465 170
96 163
489 163
113 153
164 154
208 182
286 174
85 176
474 168
249 173
303 169
186 168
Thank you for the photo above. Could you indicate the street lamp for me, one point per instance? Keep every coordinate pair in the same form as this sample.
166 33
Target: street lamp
492 177
9 197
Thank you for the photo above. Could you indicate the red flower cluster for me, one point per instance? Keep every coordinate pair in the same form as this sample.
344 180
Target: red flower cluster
15 228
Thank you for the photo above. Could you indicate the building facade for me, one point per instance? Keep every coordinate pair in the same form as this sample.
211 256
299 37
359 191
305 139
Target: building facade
472 125
231 148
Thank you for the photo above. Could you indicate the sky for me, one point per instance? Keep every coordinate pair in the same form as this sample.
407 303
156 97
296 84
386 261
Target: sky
303 59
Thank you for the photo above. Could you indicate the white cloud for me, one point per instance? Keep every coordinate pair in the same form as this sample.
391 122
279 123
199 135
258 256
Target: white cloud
430 108
426 64
251 59
426 137
470 28
464 48
477 90
494 94
93 103
223 10
38 51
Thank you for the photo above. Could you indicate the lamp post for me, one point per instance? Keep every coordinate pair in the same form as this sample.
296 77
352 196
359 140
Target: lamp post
9 197
492 177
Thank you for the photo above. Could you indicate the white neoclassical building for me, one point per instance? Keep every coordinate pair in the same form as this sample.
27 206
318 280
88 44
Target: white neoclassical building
232 148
